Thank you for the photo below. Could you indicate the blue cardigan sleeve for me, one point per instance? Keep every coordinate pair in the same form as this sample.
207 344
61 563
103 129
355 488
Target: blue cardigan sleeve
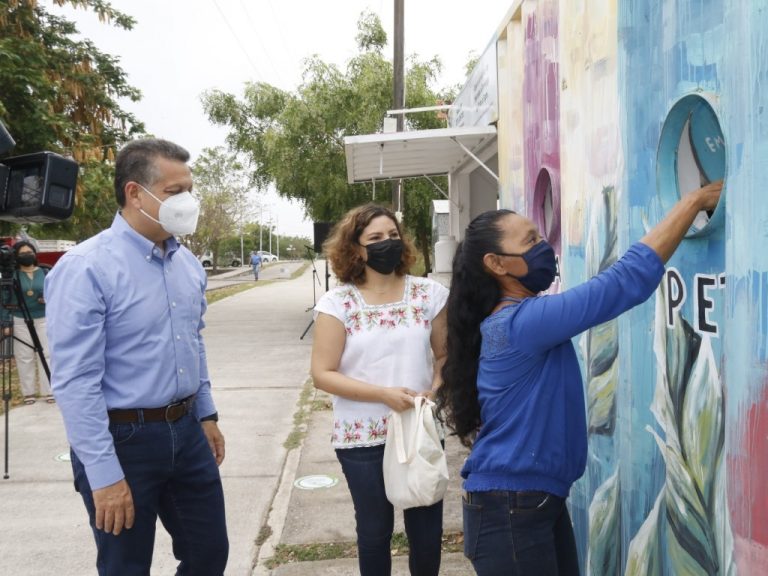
545 322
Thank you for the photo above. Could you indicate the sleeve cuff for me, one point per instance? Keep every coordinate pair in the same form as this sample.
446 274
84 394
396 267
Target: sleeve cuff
204 402
104 474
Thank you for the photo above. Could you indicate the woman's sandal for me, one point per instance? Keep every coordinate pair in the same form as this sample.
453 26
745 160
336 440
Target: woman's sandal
29 400
50 399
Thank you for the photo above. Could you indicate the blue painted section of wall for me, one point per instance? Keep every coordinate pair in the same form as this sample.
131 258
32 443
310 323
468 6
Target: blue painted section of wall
678 424
669 50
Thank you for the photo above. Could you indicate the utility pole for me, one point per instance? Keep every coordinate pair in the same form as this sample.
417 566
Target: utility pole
398 82
261 226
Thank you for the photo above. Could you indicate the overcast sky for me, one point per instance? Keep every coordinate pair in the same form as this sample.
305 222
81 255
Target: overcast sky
181 48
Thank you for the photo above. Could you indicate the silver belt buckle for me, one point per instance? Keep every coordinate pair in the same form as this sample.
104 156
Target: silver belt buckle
168 408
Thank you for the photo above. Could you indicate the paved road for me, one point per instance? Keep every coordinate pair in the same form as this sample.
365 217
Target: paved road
272 271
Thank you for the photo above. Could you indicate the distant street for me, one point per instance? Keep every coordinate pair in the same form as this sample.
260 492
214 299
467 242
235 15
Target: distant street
273 271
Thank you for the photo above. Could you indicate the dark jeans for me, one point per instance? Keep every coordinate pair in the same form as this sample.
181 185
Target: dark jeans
375 518
519 534
172 475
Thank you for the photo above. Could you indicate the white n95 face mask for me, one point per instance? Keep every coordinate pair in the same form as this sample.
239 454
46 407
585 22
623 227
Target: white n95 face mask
178 213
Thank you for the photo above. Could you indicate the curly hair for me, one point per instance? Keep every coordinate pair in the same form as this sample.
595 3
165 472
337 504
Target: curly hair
473 296
341 246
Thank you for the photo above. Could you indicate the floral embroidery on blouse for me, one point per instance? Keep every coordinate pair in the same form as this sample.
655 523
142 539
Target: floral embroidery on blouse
359 432
419 290
372 318
360 316
398 315
354 322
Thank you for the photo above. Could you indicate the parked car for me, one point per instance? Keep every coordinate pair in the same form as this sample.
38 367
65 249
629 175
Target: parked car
266 257
206 260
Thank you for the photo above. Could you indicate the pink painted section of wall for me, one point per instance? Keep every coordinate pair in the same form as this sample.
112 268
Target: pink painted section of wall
746 471
541 102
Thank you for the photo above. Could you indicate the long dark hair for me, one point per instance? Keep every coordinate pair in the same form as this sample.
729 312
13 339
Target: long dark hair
474 294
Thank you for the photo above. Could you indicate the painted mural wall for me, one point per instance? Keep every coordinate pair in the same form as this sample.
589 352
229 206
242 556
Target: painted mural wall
541 117
591 188
628 105
744 44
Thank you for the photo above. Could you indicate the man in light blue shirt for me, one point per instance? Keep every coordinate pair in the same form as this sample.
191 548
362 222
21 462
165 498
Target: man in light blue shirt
255 264
125 311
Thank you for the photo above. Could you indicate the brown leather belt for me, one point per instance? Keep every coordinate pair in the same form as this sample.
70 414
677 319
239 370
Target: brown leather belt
169 413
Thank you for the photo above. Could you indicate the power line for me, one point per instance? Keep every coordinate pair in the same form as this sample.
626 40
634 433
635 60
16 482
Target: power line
287 46
237 39
261 42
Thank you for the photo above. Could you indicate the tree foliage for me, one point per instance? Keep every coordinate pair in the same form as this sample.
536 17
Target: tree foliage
221 184
296 140
61 93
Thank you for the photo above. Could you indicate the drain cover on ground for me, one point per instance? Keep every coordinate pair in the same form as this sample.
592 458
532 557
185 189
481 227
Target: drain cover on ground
315 481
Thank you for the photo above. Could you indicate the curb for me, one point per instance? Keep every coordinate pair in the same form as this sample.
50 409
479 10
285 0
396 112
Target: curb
278 510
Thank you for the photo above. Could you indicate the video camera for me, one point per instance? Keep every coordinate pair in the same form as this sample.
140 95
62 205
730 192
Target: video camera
7 264
35 188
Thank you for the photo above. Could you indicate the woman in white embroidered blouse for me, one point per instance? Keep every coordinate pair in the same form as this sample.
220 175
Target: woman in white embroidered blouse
379 341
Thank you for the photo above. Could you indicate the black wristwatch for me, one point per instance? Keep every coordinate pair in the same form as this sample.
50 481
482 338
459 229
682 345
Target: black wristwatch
210 418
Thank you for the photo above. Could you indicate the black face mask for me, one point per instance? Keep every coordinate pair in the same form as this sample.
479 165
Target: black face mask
384 256
26 259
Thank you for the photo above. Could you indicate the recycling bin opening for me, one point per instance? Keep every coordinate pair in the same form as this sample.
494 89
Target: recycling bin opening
691 154
546 215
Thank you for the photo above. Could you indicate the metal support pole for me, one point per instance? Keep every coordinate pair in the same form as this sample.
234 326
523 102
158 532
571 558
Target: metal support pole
398 83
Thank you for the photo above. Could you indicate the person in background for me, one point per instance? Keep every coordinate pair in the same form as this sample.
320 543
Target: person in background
512 386
129 371
379 341
31 278
255 264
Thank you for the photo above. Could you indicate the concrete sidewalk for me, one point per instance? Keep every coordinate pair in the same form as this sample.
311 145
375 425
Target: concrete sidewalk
313 505
258 368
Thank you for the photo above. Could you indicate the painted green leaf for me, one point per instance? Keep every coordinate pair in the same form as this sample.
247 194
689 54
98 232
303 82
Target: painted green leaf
687 405
702 427
601 393
603 556
601 343
644 556
686 517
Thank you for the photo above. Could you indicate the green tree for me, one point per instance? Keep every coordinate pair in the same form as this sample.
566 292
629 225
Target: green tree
222 184
61 93
296 140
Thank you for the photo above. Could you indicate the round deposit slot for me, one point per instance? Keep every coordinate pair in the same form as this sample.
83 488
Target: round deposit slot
691 154
547 219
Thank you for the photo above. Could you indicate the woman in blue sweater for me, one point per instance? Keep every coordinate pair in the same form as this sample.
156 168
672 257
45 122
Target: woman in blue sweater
512 386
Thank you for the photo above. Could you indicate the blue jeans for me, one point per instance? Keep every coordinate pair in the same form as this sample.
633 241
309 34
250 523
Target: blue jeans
519 534
375 518
172 475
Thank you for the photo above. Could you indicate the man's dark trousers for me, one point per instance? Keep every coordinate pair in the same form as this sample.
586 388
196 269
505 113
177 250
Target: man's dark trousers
172 475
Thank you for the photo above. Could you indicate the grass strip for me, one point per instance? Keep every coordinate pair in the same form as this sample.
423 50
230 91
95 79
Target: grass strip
315 552
301 416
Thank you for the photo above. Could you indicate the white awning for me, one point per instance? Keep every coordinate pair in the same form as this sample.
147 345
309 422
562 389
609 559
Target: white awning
417 153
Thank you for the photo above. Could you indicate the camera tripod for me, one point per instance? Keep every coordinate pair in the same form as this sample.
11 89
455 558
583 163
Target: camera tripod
11 298
315 278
